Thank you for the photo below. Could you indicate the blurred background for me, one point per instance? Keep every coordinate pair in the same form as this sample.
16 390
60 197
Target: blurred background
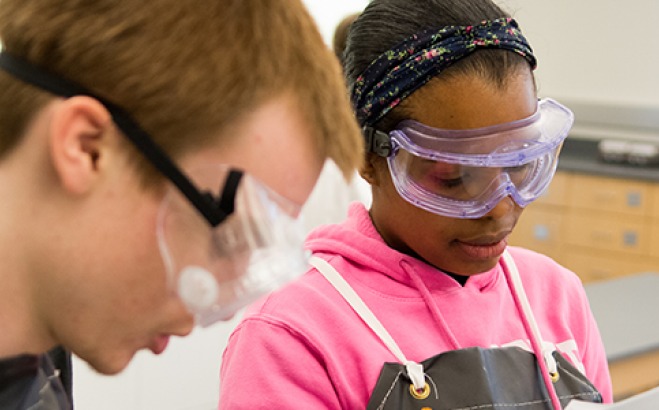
600 217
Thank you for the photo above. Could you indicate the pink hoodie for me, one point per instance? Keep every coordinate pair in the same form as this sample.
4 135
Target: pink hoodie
303 347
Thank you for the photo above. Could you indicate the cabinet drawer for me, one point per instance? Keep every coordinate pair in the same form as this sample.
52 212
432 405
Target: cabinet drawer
593 266
618 233
557 194
539 229
610 194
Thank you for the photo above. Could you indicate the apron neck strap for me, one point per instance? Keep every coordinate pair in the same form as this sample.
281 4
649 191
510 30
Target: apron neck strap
414 370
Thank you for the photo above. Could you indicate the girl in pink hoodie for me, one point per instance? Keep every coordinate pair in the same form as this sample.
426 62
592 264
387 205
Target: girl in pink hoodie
418 302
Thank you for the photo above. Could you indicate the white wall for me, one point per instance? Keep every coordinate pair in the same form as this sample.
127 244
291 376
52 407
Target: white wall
328 13
601 51
589 50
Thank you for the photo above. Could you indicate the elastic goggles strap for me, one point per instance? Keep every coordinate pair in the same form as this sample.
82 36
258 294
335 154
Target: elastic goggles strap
227 201
57 85
377 142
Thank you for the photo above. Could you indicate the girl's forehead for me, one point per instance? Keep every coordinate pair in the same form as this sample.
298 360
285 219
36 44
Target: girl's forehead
471 101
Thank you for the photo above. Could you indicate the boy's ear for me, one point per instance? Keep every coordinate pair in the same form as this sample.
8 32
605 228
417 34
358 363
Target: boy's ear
78 135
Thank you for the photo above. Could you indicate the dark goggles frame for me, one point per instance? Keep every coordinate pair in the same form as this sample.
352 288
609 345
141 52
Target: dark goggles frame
213 209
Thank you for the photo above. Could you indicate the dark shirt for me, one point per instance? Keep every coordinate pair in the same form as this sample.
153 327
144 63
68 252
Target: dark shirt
31 381
61 359
461 279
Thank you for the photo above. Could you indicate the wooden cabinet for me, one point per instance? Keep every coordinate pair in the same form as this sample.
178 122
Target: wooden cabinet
599 265
599 227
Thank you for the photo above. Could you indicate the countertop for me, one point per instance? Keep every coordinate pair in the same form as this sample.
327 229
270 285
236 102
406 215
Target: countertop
626 312
582 155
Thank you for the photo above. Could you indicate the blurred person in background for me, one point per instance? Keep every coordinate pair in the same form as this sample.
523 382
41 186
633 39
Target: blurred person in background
330 200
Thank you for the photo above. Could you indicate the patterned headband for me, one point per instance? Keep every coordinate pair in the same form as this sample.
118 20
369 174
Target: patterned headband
398 72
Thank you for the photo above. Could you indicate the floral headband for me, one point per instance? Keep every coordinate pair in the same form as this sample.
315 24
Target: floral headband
398 72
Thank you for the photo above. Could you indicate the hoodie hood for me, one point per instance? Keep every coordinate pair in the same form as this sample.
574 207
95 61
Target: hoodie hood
359 243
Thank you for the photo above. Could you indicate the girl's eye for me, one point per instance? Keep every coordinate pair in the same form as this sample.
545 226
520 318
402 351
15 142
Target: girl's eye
446 182
518 174
440 175
517 169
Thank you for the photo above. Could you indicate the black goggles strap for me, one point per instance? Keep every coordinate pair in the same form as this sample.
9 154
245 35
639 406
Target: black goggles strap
213 210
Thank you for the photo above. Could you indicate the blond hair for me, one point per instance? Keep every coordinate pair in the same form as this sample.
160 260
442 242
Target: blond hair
182 69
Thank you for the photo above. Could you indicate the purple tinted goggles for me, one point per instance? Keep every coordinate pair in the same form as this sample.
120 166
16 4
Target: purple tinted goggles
466 173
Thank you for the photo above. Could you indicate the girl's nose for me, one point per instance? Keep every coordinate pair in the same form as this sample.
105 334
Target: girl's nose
501 209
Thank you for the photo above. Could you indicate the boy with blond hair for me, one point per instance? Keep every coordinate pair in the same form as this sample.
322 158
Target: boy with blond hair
153 160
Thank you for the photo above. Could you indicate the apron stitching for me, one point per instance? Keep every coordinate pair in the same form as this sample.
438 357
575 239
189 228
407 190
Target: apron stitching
391 388
434 386
576 377
582 394
493 405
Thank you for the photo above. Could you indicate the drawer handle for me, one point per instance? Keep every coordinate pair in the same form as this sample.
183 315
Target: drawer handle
634 199
630 238
541 232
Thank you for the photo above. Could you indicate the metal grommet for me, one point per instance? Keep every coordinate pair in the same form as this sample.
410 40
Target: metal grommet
420 394
554 376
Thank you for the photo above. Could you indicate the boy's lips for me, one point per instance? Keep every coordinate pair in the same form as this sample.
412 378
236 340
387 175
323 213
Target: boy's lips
159 344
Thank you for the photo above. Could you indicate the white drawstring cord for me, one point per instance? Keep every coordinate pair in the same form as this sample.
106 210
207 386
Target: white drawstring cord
432 306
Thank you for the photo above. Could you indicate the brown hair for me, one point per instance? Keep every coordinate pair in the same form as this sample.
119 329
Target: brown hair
340 37
183 69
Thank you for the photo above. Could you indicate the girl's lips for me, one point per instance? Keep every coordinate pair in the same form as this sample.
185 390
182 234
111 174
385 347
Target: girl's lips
483 251
159 344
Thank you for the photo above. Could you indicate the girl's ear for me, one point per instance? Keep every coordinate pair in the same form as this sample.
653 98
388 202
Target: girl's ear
369 170
77 140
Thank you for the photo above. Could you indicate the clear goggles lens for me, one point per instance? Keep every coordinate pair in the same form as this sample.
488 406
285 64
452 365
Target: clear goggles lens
217 271
466 173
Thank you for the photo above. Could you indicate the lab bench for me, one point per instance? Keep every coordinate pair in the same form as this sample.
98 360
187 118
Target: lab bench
626 310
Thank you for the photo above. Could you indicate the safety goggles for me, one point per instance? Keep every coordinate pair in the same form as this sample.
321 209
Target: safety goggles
222 251
256 249
466 173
